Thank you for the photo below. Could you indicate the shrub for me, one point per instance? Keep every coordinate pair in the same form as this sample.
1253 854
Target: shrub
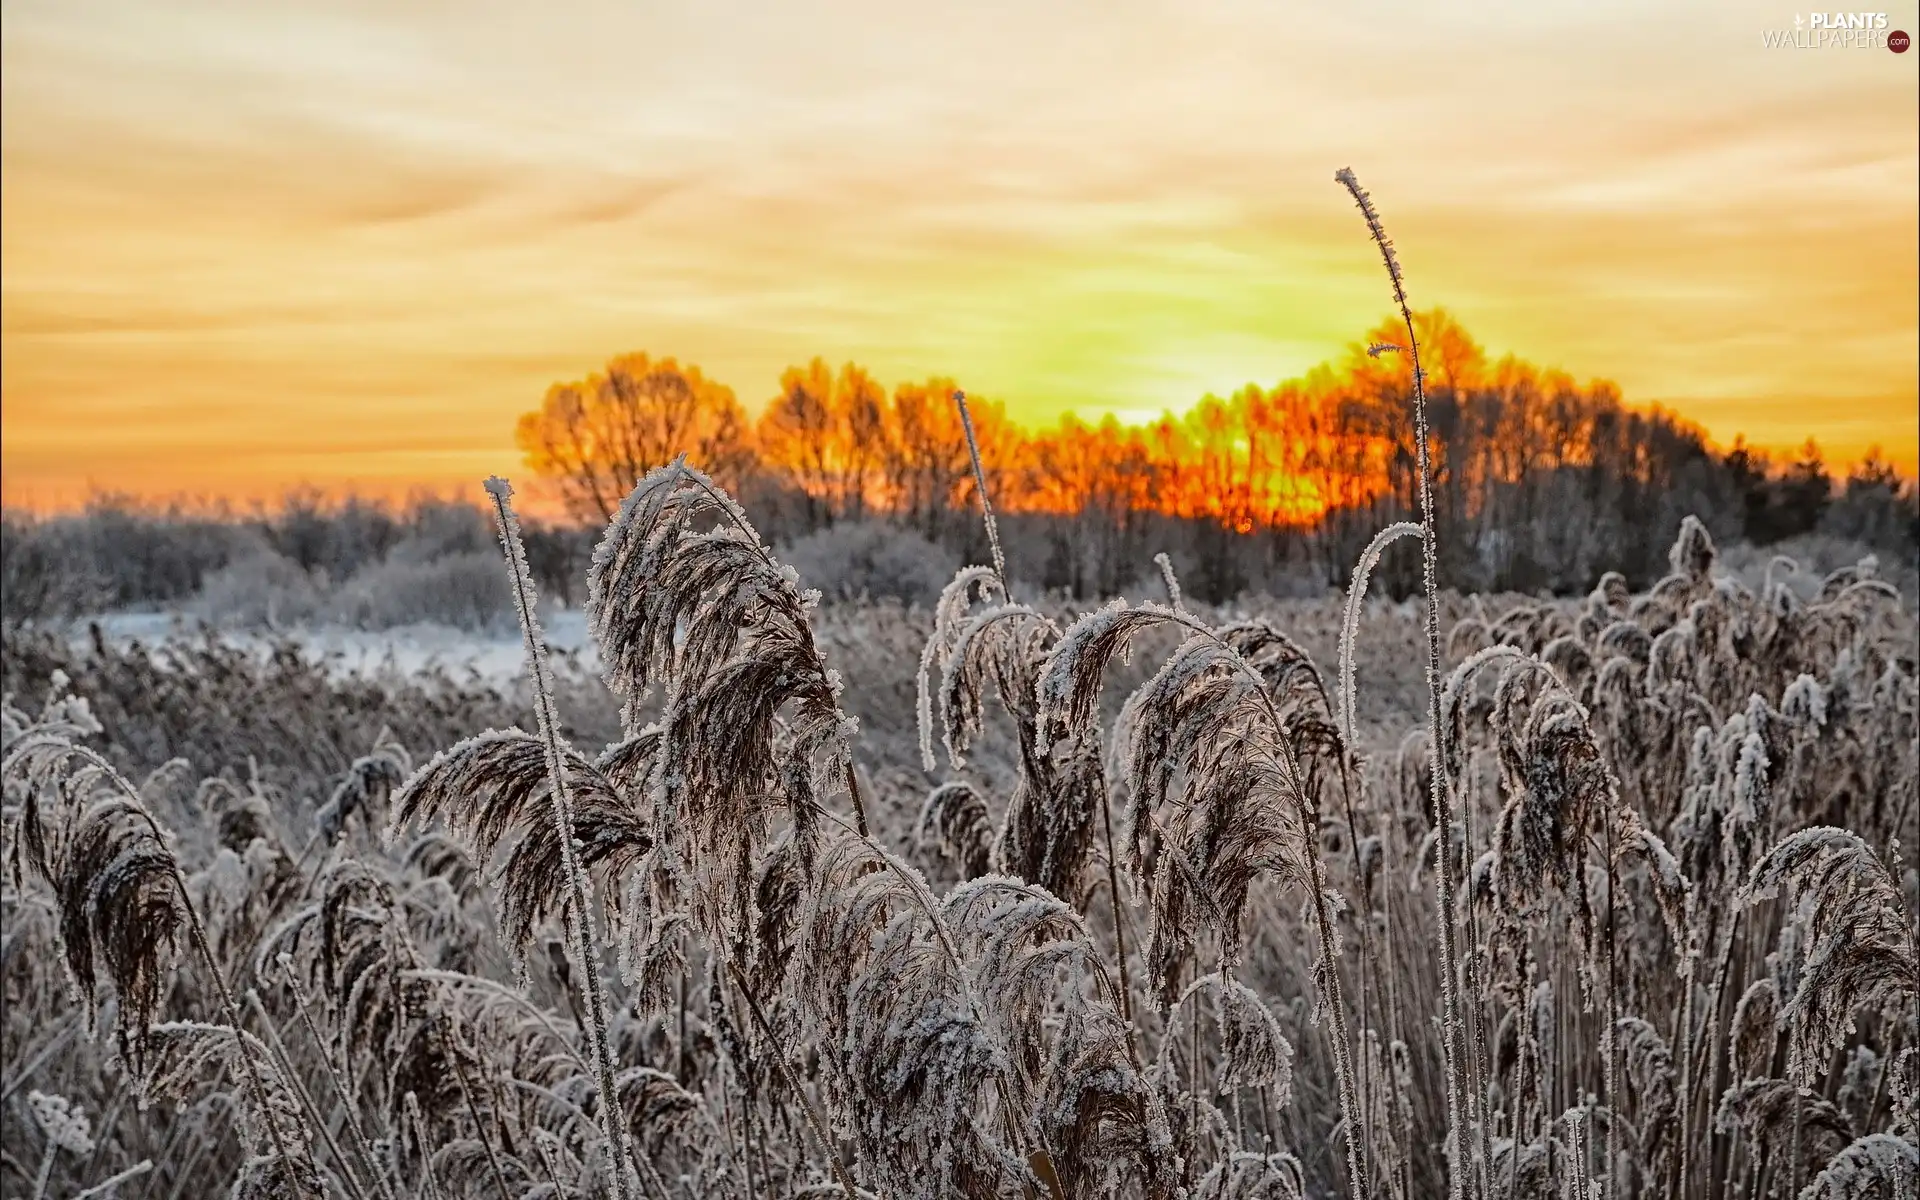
871 560
464 590
260 589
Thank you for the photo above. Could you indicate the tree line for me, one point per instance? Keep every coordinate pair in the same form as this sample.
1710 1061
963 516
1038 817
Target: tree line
1540 482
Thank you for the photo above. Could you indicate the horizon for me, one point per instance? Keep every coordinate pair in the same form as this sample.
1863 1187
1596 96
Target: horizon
541 500
247 252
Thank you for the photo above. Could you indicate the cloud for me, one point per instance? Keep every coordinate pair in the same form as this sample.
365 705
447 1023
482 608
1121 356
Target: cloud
294 224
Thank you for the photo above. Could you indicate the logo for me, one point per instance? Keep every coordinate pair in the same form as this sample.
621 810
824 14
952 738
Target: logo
1836 31
1845 20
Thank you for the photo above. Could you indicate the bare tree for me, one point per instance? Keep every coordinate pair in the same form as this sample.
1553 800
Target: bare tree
596 438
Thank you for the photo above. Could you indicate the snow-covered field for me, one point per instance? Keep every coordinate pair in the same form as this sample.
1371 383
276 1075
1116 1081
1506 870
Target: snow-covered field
496 657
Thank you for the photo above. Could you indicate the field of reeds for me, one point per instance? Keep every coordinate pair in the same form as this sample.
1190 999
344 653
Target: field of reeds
1482 896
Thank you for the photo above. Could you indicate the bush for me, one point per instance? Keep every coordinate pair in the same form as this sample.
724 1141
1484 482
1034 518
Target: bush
437 529
110 557
33 585
466 590
871 560
262 588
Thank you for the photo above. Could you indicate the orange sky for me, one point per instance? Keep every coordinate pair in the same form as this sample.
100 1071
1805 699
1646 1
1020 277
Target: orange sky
249 245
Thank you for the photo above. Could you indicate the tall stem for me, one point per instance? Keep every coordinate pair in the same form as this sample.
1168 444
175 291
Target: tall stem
1683 1041
1612 1043
1440 788
1349 633
279 1051
980 485
580 924
815 1121
361 1145
445 1029
254 1082
1336 1007
46 1171
1368 954
1119 918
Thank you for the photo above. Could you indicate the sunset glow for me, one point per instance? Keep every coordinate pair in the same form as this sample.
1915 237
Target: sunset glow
247 247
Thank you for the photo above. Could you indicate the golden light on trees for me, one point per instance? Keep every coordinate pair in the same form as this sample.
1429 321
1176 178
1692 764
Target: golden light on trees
595 438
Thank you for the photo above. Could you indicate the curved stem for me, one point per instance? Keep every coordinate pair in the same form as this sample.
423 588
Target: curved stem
1350 622
480 983
924 899
1021 887
1349 633
1439 788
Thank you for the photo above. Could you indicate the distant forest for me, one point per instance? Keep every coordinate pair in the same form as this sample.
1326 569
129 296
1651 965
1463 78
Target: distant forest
1541 484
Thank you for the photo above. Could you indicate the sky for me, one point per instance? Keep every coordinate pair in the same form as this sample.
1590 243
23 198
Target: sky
254 245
